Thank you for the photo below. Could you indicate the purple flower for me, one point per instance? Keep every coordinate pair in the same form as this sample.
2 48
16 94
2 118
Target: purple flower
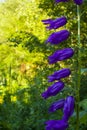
60 55
47 21
57 1
58 37
78 2
57 105
59 74
54 24
53 89
56 125
68 107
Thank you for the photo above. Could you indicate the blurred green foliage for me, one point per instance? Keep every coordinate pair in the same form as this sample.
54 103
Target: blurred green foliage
24 67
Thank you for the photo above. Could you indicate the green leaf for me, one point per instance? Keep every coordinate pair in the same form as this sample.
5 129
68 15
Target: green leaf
83 117
83 104
84 70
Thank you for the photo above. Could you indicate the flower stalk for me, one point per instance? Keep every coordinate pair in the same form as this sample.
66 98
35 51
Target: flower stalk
68 103
79 71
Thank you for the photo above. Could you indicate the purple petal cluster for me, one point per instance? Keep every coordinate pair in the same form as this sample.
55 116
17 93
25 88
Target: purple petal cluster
59 75
58 37
78 2
61 55
68 107
53 89
57 105
54 24
58 1
56 125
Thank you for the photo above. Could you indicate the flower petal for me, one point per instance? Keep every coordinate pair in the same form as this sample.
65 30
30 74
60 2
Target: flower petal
68 107
57 75
78 2
56 125
57 1
58 37
57 105
53 89
54 24
61 55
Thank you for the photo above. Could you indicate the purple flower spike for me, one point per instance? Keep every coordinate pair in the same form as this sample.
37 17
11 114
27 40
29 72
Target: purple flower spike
68 107
54 24
56 125
59 74
58 37
57 105
78 2
60 55
53 89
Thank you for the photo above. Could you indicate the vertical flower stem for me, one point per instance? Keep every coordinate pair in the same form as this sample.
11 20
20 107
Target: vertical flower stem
78 71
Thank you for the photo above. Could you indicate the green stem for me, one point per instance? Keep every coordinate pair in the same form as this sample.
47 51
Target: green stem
79 71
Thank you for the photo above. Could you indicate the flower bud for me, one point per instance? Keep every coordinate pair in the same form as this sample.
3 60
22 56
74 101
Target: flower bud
57 105
57 1
68 107
53 89
59 74
78 2
56 125
58 37
60 55
54 24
